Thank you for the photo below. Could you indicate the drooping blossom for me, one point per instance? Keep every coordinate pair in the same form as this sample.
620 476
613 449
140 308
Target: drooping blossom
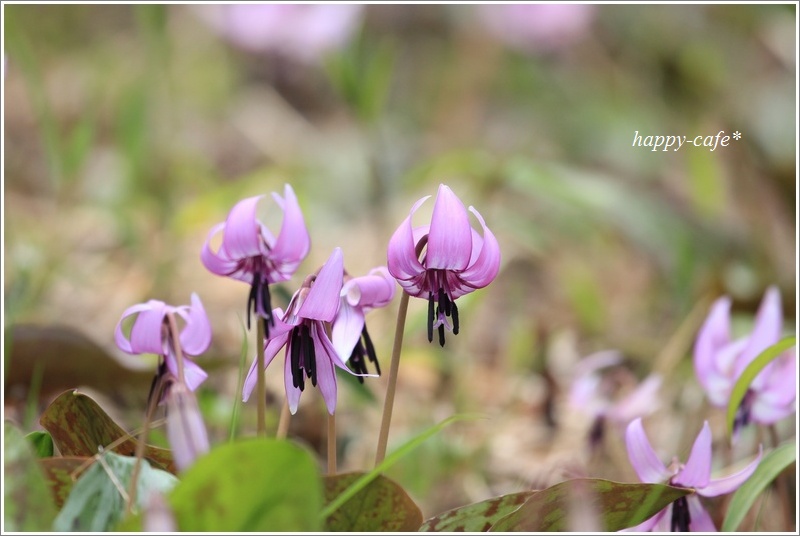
186 432
719 360
360 295
444 260
606 392
151 334
250 252
305 32
687 513
539 27
303 330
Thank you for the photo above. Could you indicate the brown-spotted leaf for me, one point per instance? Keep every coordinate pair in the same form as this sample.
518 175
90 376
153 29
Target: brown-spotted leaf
79 426
476 517
61 473
381 506
589 504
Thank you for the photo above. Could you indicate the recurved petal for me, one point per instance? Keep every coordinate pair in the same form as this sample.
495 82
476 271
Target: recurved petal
240 237
279 334
450 238
713 336
346 330
643 459
402 260
697 471
322 301
122 341
766 331
485 268
193 374
217 263
700 520
370 291
196 336
147 334
293 241
730 483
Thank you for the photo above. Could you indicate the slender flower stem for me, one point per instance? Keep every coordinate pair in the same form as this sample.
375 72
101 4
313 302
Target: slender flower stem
331 444
261 387
383 437
173 327
140 446
283 424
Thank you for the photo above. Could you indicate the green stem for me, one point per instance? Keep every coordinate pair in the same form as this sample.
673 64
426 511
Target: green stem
261 385
283 423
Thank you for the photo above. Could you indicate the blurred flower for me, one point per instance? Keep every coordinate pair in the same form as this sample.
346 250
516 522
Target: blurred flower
719 361
303 330
687 513
250 253
158 516
151 334
186 431
455 261
594 393
360 295
304 32
539 27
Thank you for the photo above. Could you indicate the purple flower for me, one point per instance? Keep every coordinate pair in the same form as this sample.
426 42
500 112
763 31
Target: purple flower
719 361
151 334
186 431
359 295
455 260
687 513
249 252
303 331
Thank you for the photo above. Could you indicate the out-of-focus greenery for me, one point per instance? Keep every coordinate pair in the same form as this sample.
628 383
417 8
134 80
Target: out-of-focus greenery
131 130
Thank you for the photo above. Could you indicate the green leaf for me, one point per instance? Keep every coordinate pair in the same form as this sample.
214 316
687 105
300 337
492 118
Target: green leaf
749 374
476 517
616 505
42 444
256 485
61 473
27 503
97 500
770 467
79 426
382 506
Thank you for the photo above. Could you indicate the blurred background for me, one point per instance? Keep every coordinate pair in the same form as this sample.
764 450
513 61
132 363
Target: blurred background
129 131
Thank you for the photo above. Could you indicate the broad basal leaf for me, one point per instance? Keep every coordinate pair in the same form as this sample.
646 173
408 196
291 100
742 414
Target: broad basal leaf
612 506
379 507
98 499
476 517
62 472
42 444
79 426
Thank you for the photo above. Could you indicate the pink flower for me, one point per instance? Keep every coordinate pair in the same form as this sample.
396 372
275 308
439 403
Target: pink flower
186 431
687 513
454 261
719 361
151 334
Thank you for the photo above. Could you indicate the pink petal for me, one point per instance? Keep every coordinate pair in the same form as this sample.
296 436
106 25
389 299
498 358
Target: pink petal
217 263
700 520
186 430
122 341
766 412
293 241
292 393
697 471
730 483
650 524
370 291
643 459
279 335
643 400
147 334
241 238
780 386
322 301
450 238
192 373
402 260
326 376
485 268
713 335
346 330
766 331
196 336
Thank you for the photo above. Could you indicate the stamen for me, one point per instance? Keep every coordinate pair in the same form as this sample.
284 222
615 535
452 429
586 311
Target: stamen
443 299
252 298
455 318
373 357
266 308
294 357
441 335
430 317
680 516
309 355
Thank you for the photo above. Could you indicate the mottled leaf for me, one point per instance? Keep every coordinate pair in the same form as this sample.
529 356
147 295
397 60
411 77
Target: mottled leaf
62 472
79 426
98 499
379 507
476 517
592 504
42 444
27 504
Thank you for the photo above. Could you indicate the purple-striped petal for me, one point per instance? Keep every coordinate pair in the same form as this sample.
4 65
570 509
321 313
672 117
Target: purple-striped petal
402 260
322 301
699 518
147 334
293 240
643 459
485 268
122 341
196 336
450 238
346 330
697 471
241 238
730 483
713 336
766 331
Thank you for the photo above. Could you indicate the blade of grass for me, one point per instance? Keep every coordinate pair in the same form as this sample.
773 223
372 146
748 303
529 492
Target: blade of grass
749 374
769 468
237 402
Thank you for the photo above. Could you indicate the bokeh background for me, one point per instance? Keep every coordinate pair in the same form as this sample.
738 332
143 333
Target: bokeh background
129 131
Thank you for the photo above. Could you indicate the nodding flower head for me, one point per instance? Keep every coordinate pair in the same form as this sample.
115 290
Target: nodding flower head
151 334
250 252
444 260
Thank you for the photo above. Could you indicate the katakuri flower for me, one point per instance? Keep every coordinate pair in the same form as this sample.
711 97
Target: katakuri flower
186 431
687 513
719 361
303 330
151 334
249 252
444 260
360 295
